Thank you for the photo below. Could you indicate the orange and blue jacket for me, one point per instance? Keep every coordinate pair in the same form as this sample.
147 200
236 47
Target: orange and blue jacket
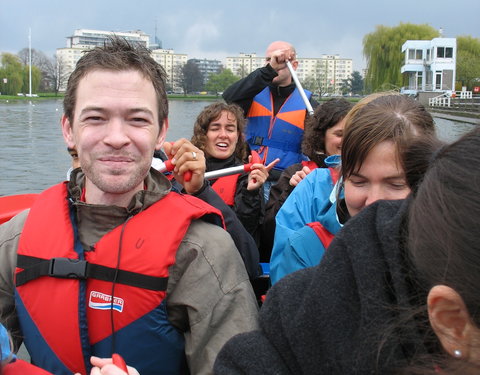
280 135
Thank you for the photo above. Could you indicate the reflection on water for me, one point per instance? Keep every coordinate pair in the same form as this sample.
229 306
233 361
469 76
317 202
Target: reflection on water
33 154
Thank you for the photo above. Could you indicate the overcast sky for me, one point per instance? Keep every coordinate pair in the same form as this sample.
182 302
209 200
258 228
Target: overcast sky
216 29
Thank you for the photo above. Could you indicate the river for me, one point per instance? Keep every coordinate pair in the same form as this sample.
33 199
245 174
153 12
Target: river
33 154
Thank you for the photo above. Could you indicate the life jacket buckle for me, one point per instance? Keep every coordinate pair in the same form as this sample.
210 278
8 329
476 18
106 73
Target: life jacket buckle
258 141
67 268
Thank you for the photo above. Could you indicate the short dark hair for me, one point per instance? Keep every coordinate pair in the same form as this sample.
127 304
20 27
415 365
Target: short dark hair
213 112
389 117
118 54
326 116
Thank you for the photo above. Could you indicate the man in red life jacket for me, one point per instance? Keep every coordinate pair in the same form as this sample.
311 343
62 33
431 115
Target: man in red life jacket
113 261
274 108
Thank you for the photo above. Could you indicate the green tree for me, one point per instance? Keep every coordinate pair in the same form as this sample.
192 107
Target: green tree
220 81
353 84
383 51
313 84
11 74
242 71
468 60
190 78
55 75
42 62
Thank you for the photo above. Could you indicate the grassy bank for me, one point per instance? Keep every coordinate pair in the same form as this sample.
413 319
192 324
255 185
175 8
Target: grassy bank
194 97
41 96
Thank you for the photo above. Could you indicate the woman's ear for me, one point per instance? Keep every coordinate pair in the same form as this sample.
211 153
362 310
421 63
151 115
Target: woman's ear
451 321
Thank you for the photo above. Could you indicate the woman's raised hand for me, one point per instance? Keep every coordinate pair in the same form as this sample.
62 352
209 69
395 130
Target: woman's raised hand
259 174
299 176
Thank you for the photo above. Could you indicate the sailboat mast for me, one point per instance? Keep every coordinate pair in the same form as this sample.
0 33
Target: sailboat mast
30 62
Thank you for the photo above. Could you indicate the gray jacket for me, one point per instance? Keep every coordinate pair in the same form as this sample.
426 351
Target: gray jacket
208 291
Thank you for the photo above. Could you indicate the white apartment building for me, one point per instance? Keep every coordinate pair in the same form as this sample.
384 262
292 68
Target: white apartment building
171 62
245 63
84 39
430 65
327 72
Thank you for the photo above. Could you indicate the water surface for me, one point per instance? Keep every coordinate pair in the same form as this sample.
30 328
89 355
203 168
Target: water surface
33 154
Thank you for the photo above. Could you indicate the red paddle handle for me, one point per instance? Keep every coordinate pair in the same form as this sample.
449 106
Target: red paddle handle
187 176
119 362
255 160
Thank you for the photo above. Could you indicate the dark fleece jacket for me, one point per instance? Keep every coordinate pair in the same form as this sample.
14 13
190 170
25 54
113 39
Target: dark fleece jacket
344 316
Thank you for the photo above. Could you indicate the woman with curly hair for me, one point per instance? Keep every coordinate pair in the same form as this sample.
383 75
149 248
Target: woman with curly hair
219 133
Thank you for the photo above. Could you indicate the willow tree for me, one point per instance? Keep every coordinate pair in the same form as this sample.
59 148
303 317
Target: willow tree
11 74
383 52
468 61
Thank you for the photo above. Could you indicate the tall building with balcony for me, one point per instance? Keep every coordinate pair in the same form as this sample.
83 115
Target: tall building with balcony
430 65
85 39
327 72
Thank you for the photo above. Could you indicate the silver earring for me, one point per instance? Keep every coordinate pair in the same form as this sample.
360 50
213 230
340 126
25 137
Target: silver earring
457 353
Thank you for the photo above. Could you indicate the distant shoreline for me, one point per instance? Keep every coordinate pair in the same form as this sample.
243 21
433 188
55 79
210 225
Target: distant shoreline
449 114
4 98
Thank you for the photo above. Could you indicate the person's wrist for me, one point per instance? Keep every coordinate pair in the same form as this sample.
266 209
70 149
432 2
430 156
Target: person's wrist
271 69
199 191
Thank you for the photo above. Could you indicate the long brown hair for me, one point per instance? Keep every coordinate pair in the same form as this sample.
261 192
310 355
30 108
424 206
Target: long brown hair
444 230
211 113
443 237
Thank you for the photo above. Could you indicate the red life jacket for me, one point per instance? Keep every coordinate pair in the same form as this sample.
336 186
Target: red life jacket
323 234
226 187
310 164
66 320
334 173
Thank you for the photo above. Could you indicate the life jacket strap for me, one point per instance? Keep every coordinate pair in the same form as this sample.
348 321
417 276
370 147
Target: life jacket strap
68 268
284 145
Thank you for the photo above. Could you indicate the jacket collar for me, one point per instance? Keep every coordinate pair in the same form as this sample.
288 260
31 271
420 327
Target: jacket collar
94 220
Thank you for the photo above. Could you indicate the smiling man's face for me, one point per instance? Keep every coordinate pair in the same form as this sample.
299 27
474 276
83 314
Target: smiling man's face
115 131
